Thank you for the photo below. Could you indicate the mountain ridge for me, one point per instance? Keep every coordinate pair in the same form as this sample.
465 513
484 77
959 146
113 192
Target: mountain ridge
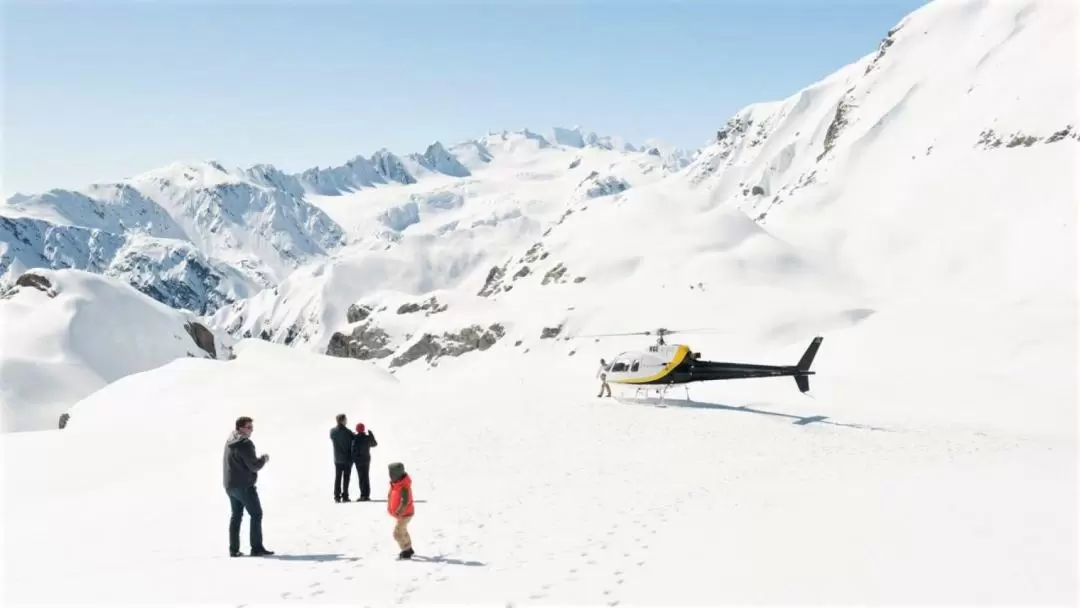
244 229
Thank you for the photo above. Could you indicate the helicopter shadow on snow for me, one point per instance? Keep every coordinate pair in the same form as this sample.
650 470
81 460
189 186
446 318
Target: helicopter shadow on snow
706 405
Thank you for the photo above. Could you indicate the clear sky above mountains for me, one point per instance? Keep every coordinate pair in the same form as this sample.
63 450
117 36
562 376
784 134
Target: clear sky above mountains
100 91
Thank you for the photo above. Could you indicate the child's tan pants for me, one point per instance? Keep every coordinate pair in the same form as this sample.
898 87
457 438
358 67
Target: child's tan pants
401 532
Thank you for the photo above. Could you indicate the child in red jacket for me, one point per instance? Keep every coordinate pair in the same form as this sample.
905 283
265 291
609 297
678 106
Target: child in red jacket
400 506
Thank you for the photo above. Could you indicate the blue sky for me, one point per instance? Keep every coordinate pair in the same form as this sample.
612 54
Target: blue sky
97 91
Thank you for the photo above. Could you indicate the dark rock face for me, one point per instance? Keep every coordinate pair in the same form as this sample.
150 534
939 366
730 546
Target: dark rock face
431 347
64 419
203 337
493 283
550 332
357 313
30 279
364 343
555 275
430 306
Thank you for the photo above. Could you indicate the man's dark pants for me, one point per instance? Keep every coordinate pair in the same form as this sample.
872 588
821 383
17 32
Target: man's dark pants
240 499
363 469
342 473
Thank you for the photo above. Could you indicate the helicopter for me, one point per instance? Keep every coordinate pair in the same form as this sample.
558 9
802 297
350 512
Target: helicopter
665 365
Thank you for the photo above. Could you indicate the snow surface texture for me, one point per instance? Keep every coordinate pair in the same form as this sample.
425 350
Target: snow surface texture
528 492
916 208
67 333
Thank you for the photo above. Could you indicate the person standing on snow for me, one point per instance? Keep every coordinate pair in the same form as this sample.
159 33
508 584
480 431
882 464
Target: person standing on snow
602 374
241 468
341 437
361 456
400 506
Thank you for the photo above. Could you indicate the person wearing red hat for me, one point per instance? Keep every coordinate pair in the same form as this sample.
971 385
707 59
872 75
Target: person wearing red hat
399 504
362 443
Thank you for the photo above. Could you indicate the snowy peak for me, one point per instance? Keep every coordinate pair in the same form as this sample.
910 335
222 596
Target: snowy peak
438 159
194 235
389 166
572 138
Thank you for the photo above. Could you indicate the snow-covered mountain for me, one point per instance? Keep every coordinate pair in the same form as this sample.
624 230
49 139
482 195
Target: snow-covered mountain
883 182
198 236
879 192
193 236
67 333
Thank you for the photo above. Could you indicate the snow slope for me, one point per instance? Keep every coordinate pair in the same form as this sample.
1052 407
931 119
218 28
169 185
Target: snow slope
937 164
67 333
533 492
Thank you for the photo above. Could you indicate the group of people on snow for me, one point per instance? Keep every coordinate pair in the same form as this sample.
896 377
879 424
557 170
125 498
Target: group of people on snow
350 449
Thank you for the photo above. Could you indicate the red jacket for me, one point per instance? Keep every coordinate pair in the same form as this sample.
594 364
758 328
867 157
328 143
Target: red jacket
393 502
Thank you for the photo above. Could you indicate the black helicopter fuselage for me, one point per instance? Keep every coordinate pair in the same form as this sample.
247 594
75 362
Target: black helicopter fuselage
692 369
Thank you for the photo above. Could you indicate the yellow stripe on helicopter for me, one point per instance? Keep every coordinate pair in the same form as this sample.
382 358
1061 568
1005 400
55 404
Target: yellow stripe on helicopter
680 354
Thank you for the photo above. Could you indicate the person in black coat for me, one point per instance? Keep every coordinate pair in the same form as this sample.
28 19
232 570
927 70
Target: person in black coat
241 467
341 437
361 456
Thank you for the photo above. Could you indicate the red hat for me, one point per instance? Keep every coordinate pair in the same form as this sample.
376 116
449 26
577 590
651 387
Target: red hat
359 427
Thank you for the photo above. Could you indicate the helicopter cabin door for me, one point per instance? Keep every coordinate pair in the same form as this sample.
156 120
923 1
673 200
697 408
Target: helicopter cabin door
644 367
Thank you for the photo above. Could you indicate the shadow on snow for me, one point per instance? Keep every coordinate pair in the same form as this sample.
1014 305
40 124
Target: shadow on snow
704 405
314 557
440 559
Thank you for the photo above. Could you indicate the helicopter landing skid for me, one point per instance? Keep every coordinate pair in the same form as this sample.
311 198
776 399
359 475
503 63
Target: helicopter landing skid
661 391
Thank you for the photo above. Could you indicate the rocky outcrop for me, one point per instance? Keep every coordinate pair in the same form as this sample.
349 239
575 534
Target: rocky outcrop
840 120
431 347
430 306
357 313
29 279
989 139
548 333
595 186
886 42
203 337
364 342
64 419
493 283
555 275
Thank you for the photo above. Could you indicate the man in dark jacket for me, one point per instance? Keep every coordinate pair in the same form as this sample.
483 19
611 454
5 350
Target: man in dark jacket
241 468
361 457
341 437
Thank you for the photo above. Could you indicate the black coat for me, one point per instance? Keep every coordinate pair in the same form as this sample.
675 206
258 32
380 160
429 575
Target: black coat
361 446
341 437
240 464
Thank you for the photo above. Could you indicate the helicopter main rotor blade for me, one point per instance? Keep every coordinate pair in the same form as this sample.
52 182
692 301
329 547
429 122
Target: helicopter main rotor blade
658 331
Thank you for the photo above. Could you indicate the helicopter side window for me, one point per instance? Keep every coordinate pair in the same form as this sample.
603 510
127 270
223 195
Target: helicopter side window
634 366
618 366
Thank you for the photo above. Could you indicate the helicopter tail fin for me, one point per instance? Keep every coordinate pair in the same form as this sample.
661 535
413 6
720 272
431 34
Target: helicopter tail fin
802 368
803 383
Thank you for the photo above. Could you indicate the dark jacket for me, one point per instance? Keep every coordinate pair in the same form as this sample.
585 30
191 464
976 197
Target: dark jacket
241 466
361 446
341 437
